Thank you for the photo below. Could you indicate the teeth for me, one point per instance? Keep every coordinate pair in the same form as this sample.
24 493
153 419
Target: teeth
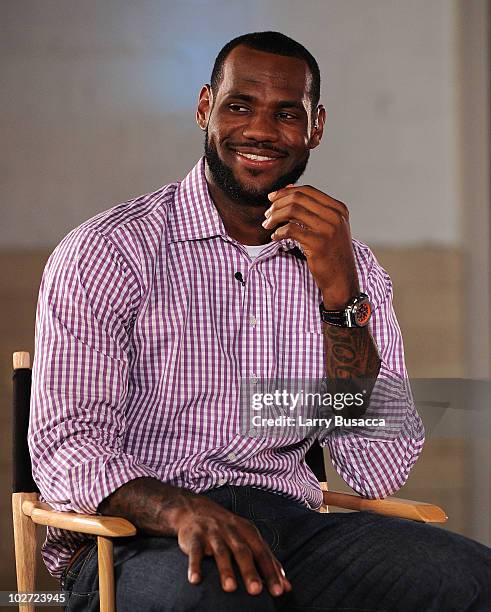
255 157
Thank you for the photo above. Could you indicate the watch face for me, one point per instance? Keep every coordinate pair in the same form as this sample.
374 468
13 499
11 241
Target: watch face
362 312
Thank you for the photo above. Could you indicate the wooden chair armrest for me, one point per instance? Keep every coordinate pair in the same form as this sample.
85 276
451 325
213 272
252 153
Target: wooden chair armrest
390 506
108 526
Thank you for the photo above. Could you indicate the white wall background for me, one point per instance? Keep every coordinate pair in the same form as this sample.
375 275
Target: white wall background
98 102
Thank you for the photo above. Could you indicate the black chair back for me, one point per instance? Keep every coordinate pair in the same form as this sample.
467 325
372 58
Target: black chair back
315 460
22 481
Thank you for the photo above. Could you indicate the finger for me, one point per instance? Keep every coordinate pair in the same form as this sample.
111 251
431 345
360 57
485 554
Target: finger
270 569
310 241
295 232
268 565
286 582
281 574
222 558
298 213
245 561
315 194
195 555
322 209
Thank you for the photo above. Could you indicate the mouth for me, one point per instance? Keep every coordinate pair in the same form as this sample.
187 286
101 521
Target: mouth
256 159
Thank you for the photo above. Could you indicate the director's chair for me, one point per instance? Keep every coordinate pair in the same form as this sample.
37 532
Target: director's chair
28 511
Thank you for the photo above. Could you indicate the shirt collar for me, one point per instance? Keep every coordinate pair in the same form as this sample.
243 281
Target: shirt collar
194 215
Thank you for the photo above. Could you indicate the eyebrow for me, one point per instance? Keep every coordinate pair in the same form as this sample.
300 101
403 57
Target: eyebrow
241 96
280 104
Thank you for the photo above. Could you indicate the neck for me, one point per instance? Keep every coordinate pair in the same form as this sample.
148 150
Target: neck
242 221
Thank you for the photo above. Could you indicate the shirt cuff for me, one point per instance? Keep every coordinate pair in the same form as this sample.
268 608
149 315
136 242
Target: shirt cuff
91 482
389 406
385 418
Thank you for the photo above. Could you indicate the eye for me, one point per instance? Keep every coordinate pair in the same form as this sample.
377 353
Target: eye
285 115
237 108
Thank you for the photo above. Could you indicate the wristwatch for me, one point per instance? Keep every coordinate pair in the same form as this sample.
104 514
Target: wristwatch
357 313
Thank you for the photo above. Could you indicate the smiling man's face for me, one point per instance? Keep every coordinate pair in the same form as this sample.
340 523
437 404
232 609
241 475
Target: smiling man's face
259 125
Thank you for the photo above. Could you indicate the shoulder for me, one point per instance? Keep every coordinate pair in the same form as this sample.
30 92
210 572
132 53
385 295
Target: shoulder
126 230
144 214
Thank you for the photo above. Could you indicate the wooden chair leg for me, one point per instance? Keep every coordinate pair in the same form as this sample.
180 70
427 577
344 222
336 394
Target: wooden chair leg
106 574
324 508
25 546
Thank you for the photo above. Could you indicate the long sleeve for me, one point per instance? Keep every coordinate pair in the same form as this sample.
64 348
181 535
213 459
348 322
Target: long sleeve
87 299
376 461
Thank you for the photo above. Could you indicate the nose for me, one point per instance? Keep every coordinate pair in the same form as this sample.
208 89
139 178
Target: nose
261 127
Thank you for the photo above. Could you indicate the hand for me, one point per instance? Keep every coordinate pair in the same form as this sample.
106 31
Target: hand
203 527
321 225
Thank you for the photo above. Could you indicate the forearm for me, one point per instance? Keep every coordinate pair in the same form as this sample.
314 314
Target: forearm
352 363
151 505
350 353
373 455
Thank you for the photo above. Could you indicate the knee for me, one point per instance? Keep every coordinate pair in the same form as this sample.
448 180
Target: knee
451 570
466 583
462 591
168 590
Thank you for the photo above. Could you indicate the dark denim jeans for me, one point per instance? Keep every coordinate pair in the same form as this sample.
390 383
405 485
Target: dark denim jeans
338 561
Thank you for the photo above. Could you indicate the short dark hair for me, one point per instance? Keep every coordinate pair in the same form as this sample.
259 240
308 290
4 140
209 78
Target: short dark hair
270 42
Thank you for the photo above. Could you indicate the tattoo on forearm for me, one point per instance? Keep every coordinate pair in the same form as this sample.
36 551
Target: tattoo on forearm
352 363
350 353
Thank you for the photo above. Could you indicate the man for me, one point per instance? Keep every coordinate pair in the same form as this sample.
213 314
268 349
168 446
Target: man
150 317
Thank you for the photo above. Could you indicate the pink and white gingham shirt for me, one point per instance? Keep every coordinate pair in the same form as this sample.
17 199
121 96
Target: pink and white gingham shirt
142 337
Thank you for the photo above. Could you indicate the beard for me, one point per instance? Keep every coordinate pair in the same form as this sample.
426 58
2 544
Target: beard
224 178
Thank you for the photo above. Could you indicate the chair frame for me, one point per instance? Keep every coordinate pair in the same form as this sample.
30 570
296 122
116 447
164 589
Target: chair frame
28 511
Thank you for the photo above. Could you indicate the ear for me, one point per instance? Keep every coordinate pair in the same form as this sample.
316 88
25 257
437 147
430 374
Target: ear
318 127
205 103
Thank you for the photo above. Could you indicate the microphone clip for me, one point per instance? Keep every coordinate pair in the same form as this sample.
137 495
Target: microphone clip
239 277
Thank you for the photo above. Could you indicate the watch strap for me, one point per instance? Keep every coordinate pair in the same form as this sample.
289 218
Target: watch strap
355 314
333 317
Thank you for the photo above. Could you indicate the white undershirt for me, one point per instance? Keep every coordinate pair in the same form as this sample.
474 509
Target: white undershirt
255 249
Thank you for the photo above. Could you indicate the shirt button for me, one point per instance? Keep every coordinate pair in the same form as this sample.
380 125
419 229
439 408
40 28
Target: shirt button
222 481
253 320
254 379
231 456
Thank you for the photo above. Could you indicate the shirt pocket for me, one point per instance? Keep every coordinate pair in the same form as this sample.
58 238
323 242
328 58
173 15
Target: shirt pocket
298 310
300 353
